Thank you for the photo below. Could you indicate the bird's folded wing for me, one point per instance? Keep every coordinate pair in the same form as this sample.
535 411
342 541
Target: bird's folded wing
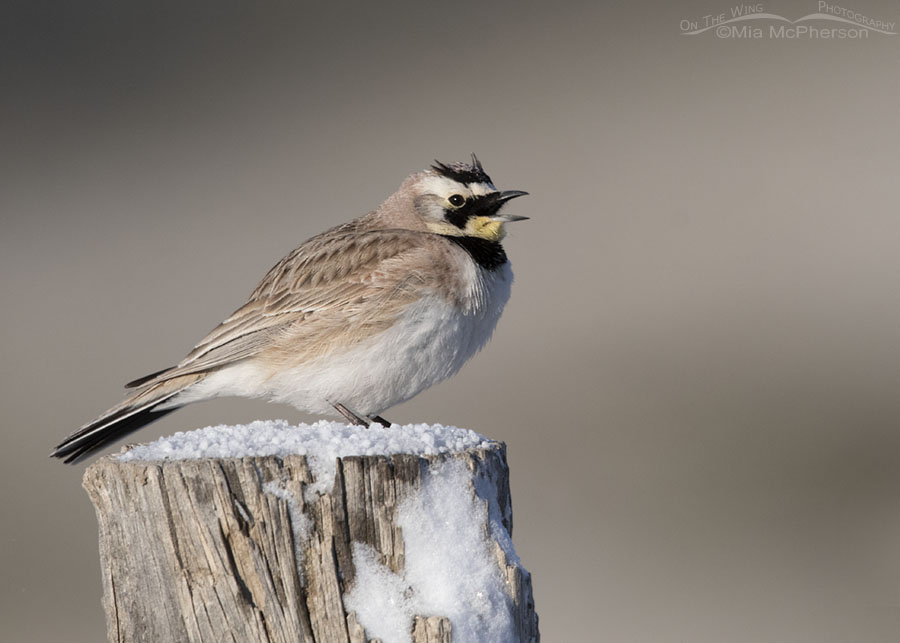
331 291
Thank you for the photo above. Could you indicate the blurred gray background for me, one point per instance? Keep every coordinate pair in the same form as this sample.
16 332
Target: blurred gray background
697 375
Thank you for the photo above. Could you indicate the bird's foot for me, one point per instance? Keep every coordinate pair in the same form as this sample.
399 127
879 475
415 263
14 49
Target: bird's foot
351 417
355 418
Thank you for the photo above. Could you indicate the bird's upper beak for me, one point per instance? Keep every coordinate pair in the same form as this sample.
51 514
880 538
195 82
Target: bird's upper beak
499 199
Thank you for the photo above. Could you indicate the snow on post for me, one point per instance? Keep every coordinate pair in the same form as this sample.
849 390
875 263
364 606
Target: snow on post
323 533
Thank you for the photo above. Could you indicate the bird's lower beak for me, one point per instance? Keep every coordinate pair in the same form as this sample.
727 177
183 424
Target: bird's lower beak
507 218
502 198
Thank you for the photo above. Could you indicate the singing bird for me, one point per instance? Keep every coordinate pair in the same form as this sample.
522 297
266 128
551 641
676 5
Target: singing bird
357 319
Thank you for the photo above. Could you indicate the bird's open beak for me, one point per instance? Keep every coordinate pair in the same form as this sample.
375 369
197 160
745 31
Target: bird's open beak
503 197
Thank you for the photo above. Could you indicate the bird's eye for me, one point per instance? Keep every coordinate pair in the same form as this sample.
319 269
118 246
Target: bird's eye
456 200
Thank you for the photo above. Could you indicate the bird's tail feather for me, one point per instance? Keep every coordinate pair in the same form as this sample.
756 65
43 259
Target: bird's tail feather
135 412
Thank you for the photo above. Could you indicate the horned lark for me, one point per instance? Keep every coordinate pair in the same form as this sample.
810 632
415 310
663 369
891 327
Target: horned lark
355 320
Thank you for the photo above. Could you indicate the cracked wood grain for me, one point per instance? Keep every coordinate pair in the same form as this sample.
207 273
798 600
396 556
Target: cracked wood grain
218 550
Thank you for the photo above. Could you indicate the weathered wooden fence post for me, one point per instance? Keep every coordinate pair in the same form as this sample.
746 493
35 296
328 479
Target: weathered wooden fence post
246 550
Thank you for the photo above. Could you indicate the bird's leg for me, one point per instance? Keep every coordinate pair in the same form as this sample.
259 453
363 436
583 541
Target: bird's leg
351 417
379 420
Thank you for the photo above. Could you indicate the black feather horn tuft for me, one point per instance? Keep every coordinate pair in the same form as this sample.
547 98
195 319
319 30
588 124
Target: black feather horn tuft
463 172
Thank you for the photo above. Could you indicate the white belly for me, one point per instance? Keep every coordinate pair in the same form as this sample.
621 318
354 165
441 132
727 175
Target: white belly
430 342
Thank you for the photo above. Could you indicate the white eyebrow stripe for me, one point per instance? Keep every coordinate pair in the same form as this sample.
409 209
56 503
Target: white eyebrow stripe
444 187
480 189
